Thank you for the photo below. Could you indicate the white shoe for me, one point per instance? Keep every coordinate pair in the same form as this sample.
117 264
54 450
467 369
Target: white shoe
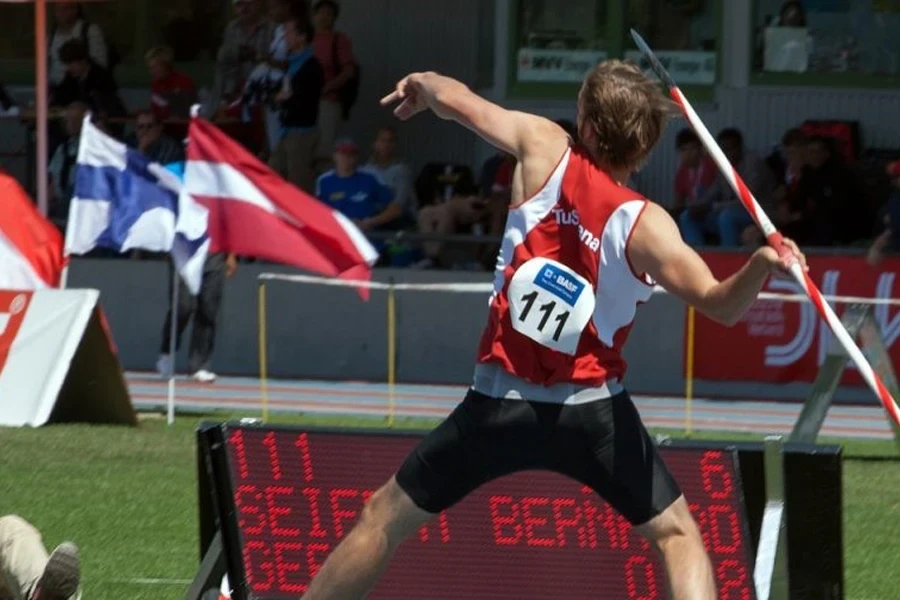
204 376
164 365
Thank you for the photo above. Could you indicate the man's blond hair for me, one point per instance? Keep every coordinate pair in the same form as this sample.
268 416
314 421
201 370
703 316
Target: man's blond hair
627 111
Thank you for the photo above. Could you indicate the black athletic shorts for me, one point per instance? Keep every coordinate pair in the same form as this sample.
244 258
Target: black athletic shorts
602 444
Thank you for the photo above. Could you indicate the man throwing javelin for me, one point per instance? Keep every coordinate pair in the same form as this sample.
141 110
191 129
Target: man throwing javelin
579 253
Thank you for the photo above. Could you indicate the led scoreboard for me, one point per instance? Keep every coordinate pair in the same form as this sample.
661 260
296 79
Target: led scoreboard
287 496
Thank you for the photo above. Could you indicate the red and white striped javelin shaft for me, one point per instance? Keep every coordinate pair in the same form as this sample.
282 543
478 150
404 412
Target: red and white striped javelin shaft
776 241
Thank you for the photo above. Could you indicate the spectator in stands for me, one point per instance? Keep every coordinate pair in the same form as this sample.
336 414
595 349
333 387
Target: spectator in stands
27 572
172 93
394 173
87 83
294 156
70 24
267 77
730 215
464 208
204 308
841 213
8 106
245 43
495 187
358 195
889 240
334 50
62 166
696 174
792 14
153 143
793 213
495 194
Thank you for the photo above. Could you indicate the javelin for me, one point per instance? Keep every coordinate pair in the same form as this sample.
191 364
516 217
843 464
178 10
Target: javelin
773 236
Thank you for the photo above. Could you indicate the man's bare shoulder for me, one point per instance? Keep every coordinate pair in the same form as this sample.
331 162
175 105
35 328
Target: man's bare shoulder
541 136
655 231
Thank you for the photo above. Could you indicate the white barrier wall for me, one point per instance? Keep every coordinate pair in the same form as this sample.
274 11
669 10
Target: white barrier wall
329 333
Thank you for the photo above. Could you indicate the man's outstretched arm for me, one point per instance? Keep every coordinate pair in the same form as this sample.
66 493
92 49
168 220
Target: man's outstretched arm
656 248
512 131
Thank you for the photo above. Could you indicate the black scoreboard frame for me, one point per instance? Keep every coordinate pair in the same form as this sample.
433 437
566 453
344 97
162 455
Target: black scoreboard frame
813 497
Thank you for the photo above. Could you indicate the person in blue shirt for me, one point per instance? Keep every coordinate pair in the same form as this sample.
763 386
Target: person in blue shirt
360 196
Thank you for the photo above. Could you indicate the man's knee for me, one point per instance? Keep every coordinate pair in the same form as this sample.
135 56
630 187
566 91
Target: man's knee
675 525
14 525
392 512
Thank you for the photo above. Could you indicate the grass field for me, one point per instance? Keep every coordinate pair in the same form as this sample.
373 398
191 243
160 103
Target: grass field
128 498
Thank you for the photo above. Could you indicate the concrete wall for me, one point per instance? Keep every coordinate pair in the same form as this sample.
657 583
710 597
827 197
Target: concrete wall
328 332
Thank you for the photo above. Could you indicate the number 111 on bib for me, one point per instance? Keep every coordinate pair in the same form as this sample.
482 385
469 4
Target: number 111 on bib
550 303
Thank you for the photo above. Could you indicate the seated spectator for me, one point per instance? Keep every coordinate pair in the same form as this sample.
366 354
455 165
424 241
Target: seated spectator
792 14
153 143
842 215
464 208
27 572
62 166
792 213
358 195
87 83
496 190
69 24
294 156
172 93
695 176
8 106
889 240
731 218
394 173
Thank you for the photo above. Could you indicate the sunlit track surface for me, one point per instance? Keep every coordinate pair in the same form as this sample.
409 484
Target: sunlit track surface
148 392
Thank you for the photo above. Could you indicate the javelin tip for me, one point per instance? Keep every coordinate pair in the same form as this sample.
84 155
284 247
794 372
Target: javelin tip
655 64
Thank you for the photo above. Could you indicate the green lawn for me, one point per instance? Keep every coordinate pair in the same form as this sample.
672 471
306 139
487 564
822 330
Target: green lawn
128 498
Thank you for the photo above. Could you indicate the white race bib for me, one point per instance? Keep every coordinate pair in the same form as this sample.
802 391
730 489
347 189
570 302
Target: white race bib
550 303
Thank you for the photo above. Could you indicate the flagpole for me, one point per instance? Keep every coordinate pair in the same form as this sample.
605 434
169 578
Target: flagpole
40 97
173 328
64 277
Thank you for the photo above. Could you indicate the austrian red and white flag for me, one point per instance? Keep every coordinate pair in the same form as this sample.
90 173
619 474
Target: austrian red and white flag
31 248
254 212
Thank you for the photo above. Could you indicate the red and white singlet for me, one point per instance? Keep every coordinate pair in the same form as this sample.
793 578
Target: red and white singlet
565 294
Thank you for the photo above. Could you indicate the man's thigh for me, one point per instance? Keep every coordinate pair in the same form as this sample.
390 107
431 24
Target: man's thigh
620 460
391 508
22 555
482 439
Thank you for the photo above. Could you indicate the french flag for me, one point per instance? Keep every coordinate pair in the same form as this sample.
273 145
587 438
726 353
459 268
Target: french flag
31 248
254 212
